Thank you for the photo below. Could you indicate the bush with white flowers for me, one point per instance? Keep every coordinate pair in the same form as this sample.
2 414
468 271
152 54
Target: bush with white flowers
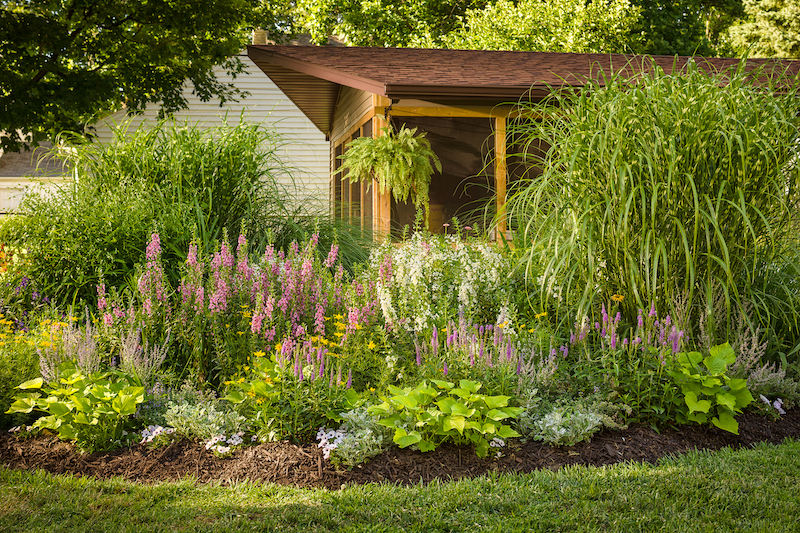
431 280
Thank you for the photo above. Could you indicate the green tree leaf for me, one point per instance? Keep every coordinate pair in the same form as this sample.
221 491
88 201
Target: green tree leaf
65 64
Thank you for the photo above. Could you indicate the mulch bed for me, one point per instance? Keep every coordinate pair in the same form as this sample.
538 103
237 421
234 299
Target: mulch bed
303 466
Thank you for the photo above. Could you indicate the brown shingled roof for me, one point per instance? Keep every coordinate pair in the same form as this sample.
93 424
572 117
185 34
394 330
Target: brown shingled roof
469 77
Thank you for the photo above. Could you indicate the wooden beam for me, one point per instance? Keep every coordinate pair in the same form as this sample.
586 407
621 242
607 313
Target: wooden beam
500 171
433 111
455 112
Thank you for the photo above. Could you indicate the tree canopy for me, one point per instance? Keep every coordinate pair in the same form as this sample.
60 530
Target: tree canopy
773 30
64 63
383 22
549 25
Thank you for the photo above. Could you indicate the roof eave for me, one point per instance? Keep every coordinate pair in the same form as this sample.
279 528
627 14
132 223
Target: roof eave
258 52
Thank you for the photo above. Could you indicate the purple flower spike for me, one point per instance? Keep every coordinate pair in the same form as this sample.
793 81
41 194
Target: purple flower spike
445 368
349 378
435 340
652 310
519 365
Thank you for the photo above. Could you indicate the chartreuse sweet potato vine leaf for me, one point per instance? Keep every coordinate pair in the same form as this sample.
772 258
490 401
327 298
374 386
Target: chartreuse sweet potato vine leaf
426 416
92 410
708 392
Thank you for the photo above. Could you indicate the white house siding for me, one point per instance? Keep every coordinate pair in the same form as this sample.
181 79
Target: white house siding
305 150
26 170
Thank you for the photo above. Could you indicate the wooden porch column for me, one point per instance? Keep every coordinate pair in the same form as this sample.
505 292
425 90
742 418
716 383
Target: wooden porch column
500 170
382 205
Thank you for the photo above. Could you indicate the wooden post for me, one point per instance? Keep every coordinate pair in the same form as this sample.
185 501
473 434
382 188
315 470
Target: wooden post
381 202
500 170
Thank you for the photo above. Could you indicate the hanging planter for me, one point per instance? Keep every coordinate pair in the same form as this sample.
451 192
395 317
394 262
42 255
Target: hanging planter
401 161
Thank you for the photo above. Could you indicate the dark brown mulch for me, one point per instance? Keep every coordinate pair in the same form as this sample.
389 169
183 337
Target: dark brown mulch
303 466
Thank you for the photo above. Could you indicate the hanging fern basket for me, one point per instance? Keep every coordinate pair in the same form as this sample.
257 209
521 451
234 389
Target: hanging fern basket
400 161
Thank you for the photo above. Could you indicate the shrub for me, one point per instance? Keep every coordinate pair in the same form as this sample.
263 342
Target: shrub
429 281
435 412
19 362
293 392
92 410
664 184
177 179
709 394
359 438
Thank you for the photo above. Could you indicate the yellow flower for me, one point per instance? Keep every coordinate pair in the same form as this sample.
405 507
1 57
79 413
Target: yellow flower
278 347
240 332
246 314
259 354
541 315
372 389
338 317
371 345
245 306
251 394
618 298
339 334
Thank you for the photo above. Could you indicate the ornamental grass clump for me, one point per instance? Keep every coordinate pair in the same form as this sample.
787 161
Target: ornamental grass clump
660 185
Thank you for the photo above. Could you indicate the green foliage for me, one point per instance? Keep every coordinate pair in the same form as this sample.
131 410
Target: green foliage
772 29
18 362
709 394
673 28
661 186
383 22
179 179
203 420
548 26
432 280
284 404
435 412
359 438
568 424
91 410
65 64
401 161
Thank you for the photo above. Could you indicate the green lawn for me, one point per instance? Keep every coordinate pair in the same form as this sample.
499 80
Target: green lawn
750 490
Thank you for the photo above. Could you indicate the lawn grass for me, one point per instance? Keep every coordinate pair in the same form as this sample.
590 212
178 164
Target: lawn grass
746 490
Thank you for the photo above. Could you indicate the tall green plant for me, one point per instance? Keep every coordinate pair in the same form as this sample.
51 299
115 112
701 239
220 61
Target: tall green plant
176 178
660 185
401 161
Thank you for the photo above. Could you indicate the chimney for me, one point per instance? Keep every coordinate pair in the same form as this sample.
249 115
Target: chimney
259 36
